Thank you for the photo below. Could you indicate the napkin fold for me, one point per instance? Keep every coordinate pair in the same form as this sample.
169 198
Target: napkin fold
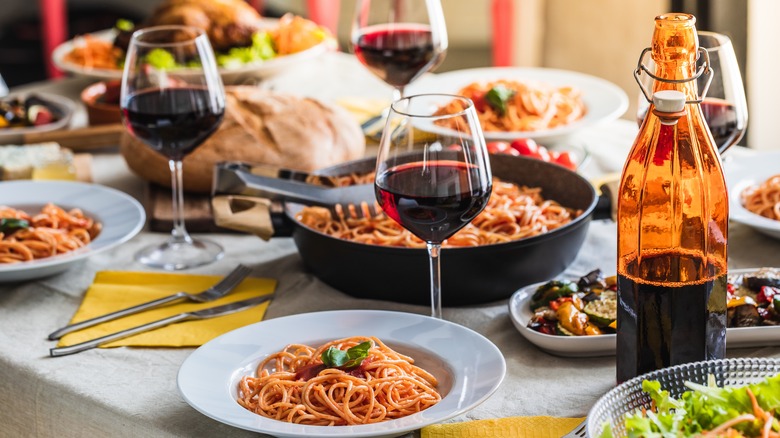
116 290
516 427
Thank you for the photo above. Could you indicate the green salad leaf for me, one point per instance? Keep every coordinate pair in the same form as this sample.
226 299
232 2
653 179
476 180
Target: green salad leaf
161 59
262 49
333 357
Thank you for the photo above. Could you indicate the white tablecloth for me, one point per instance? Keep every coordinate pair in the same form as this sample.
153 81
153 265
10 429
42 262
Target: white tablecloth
132 391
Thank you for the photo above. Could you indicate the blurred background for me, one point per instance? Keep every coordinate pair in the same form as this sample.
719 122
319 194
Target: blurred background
599 37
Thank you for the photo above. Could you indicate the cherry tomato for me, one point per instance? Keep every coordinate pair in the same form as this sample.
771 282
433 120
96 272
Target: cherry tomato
525 146
566 160
479 102
543 154
501 147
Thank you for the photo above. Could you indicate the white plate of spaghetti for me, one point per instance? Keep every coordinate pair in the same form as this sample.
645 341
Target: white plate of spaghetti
464 373
50 226
531 112
754 190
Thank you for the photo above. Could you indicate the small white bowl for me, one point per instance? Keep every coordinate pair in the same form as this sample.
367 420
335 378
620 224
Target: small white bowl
16 135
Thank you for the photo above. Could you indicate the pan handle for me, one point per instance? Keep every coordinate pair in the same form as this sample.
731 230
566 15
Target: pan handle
250 214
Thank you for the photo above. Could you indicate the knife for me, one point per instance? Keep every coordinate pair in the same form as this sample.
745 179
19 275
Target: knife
187 316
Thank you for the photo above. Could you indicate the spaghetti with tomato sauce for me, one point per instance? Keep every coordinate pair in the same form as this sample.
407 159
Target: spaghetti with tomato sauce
350 381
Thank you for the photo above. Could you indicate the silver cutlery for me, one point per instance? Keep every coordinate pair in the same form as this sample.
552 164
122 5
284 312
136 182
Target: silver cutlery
579 431
187 316
219 290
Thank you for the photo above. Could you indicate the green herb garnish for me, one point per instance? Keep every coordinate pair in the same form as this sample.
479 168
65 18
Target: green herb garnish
10 225
333 357
498 96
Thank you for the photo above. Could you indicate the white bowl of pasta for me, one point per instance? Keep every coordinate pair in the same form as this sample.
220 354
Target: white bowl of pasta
51 226
540 103
754 190
465 373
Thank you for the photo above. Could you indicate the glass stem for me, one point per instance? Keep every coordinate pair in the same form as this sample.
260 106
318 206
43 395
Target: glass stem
398 93
433 256
179 233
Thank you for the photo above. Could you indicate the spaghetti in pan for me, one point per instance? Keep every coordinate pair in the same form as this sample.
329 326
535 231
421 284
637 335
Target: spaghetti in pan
513 212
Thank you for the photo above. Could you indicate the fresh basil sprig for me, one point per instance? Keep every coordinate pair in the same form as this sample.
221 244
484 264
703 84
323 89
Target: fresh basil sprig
333 357
498 96
10 225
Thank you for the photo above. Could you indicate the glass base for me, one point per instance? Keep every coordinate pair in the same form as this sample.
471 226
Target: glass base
175 255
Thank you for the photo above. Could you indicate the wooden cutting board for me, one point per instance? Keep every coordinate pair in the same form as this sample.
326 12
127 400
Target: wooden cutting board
197 211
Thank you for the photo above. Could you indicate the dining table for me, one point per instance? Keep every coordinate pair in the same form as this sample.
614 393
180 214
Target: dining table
133 392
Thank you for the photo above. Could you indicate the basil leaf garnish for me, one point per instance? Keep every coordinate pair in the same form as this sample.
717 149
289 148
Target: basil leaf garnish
498 96
333 357
10 225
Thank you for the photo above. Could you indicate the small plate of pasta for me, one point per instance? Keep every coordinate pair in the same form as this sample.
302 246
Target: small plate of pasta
538 103
344 373
754 190
47 227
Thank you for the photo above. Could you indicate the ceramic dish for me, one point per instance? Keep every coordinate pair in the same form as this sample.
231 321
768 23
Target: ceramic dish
743 171
604 345
604 100
468 366
16 135
122 218
232 76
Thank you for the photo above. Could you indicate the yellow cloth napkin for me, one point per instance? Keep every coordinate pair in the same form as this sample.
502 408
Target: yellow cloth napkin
514 427
116 290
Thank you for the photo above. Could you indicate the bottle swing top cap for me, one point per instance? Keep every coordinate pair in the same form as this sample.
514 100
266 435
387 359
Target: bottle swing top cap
669 101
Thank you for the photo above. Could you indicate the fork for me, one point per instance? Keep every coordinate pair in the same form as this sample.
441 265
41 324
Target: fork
218 290
579 431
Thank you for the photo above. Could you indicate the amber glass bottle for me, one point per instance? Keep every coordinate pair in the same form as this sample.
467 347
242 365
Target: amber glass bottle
672 223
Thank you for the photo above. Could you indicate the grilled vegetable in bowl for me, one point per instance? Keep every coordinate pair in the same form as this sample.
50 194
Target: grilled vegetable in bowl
589 306
754 299
582 308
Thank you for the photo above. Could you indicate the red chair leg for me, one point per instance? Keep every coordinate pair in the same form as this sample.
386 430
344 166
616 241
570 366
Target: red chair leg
502 12
54 26
325 13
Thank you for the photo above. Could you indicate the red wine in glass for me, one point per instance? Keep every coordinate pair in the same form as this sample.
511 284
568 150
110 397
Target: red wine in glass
397 53
433 200
172 121
722 119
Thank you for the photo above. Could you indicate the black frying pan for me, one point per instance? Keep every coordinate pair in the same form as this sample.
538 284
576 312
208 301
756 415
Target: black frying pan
469 275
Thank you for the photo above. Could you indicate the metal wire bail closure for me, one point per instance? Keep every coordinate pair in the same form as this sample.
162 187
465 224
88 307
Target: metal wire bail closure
705 69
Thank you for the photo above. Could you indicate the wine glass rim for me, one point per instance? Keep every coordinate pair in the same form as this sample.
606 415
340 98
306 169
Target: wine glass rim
199 33
721 40
469 104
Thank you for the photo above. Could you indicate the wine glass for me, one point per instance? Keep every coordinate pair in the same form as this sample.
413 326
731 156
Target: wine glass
433 172
172 99
399 40
724 107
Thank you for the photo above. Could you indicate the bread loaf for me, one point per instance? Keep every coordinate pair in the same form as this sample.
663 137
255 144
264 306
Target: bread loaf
259 127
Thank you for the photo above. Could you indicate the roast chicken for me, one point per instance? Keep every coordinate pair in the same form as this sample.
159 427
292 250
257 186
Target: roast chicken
228 23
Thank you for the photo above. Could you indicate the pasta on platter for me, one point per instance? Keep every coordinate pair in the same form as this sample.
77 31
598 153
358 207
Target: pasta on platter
764 199
296 385
521 106
52 231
